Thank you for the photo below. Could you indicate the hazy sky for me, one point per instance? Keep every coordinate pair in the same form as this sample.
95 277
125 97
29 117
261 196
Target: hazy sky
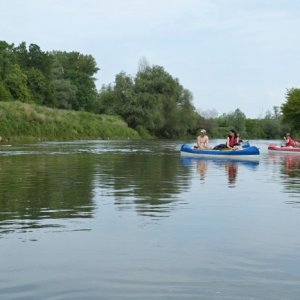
229 53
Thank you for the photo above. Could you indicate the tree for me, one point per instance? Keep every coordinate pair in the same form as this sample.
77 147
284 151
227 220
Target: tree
238 119
6 67
5 94
34 57
291 108
143 64
65 93
105 100
167 106
153 101
16 82
38 85
235 120
79 70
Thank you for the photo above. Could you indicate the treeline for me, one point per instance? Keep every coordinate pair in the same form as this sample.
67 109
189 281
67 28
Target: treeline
272 126
269 127
55 79
152 102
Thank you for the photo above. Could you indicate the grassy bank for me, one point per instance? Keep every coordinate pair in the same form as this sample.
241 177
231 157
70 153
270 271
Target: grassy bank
29 122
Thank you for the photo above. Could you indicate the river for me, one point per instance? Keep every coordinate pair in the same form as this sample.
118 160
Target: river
134 220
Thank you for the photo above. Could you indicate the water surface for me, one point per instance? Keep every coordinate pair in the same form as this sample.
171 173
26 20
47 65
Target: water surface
134 220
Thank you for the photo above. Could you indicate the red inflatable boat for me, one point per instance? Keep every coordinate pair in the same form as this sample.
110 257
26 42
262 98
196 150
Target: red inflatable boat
276 148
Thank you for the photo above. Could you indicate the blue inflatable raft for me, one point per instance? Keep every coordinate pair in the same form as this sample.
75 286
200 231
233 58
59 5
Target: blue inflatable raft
251 152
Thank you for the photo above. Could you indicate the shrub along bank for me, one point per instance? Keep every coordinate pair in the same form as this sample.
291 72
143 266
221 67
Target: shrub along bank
30 122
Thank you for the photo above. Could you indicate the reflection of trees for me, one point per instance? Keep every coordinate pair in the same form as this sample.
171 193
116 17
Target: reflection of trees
150 182
34 188
291 168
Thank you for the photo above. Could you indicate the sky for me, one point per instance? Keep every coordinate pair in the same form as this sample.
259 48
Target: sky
229 53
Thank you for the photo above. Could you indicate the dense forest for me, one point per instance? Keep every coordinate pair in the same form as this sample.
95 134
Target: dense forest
152 102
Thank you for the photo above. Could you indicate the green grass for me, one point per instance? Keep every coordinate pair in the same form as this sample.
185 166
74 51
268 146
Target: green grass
30 122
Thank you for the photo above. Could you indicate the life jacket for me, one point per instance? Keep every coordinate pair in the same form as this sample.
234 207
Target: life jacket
233 141
290 142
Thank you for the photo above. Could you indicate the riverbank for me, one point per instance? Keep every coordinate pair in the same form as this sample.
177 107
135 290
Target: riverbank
22 122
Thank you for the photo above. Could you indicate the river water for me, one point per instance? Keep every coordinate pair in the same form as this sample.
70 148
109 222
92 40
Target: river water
134 220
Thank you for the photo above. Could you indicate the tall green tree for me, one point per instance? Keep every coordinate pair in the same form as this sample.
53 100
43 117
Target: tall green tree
153 100
6 66
38 85
79 70
235 120
238 119
16 82
291 108
36 65
162 97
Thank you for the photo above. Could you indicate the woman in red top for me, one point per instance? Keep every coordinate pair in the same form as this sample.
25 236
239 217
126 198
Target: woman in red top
233 140
290 142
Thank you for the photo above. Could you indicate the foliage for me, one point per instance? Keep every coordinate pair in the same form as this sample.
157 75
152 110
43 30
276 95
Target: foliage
291 109
153 100
75 72
30 121
269 127
55 79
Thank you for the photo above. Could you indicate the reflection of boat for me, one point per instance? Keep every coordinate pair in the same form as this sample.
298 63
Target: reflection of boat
291 163
276 148
231 166
188 161
251 152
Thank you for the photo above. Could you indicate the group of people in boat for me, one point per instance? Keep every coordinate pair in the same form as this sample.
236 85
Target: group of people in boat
233 141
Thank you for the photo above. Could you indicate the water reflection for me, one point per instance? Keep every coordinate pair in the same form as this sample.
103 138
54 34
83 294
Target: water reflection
218 243
148 184
292 165
47 185
289 167
202 168
43 191
230 166
231 169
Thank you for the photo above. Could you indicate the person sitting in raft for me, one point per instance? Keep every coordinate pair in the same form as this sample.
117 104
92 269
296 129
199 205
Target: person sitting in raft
202 140
233 140
290 142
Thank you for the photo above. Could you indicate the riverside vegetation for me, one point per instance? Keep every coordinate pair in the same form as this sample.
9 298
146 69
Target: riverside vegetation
53 96
31 122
